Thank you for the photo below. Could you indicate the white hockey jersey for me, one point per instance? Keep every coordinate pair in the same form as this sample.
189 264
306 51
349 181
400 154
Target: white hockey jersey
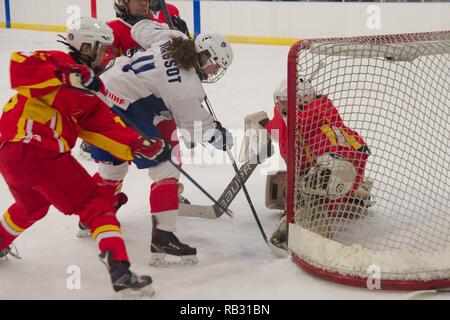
152 72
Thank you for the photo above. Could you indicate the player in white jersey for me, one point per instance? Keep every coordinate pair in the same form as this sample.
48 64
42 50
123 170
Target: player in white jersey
162 82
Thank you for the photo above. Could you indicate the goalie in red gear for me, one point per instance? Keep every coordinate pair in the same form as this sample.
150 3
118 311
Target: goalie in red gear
332 157
39 127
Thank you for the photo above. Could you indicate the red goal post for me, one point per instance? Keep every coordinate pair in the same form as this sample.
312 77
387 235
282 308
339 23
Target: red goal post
395 91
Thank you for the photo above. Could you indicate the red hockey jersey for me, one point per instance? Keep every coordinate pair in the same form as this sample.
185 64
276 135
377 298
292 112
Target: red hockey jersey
277 123
50 115
122 36
159 15
322 130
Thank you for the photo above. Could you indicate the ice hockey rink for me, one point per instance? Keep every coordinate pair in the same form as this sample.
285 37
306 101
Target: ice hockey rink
234 261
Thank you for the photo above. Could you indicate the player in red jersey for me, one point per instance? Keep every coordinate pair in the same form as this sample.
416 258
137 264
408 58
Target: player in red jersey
333 157
39 127
128 12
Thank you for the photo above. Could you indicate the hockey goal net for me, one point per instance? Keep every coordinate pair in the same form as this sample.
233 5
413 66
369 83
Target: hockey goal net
394 91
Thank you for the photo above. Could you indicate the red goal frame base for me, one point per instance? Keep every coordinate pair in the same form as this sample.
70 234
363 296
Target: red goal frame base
410 285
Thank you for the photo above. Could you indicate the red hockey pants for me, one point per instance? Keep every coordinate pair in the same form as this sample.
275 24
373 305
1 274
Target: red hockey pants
38 178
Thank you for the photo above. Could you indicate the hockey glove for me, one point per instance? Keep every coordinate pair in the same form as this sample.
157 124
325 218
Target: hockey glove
158 150
222 138
180 25
78 76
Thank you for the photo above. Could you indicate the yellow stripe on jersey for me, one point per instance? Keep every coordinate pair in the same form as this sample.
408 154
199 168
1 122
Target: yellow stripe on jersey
40 110
351 140
326 129
25 90
117 149
11 223
105 228
11 104
118 120
20 130
16 57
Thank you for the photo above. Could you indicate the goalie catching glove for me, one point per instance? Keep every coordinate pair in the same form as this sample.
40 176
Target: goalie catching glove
157 150
78 76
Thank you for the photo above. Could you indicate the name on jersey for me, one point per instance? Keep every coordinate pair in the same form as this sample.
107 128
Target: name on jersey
171 66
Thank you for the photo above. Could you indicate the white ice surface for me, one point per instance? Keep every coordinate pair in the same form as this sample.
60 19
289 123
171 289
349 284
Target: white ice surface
234 262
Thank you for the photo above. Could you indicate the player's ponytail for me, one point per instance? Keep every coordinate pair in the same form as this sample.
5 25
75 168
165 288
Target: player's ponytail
183 52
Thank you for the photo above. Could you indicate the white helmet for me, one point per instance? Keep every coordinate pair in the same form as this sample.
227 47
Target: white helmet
219 50
280 93
332 177
91 31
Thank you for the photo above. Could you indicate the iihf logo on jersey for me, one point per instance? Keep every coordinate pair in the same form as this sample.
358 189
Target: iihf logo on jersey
224 44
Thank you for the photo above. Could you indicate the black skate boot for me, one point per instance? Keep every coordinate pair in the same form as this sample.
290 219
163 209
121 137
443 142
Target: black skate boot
166 245
83 231
123 280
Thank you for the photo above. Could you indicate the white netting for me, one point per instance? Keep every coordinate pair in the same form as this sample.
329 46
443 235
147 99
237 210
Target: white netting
394 91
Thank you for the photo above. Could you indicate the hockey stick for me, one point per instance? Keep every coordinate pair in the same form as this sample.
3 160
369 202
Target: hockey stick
244 188
227 197
242 183
276 250
166 13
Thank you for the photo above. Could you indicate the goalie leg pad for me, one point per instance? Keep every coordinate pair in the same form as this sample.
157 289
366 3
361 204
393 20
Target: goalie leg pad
276 190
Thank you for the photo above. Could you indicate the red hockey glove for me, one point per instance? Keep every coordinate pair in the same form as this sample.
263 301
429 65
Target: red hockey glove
78 76
158 150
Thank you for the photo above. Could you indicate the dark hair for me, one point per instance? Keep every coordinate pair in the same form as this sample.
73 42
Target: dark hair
183 52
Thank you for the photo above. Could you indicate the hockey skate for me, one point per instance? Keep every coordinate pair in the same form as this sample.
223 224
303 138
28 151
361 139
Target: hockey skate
10 250
280 236
85 232
167 250
124 281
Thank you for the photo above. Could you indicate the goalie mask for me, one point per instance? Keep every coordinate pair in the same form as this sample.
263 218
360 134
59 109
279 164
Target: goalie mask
218 53
332 177
91 41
